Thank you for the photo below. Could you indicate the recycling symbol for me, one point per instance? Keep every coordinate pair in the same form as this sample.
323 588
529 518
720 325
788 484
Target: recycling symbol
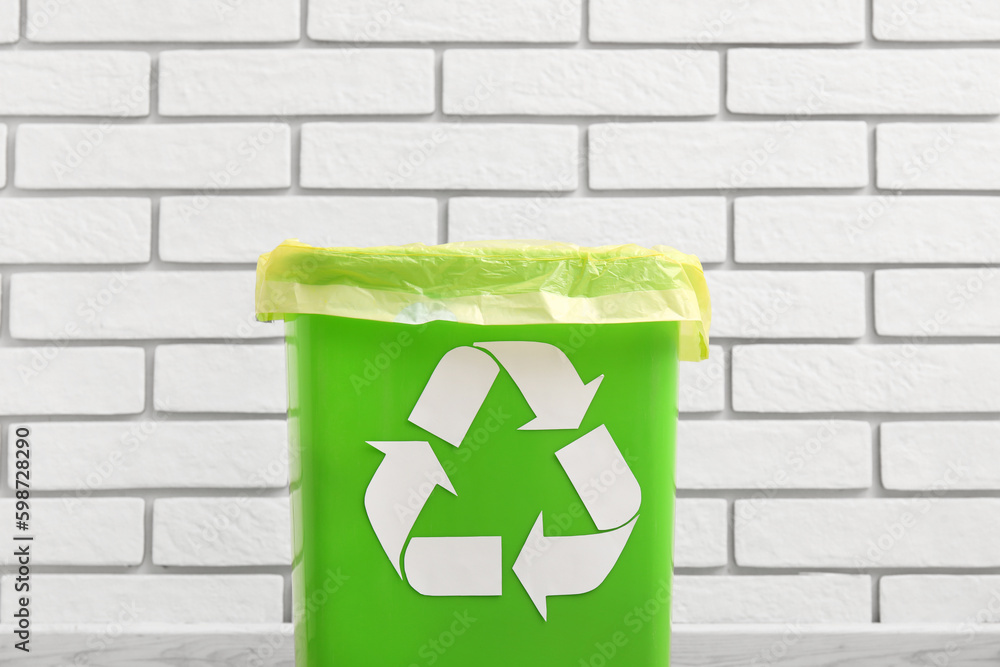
472 565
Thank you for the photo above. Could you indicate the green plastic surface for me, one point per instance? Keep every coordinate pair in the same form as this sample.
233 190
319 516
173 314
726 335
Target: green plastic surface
355 380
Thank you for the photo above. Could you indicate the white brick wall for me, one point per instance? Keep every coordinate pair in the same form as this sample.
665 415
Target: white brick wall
10 16
75 230
181 599
782 304
178 21
197 156
937 302
360 22
834 163
196 229
882 229
701 536
919 456
766 454
807 598
835 81
129 305
560 82
74 83
959 599
936 20
698 223
292 83
3 155
425 156
728 156
723 21
60 380
938 156
221 531
91 531
220 378
911 377
94 456
927 531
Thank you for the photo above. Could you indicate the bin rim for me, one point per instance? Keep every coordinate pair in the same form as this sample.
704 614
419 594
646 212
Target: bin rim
490 283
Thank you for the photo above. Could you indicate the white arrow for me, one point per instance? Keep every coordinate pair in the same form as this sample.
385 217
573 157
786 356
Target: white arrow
548 382
452 397
567 565
602 478
455 565
402 484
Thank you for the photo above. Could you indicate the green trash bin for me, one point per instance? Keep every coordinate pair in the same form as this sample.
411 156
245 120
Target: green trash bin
482 446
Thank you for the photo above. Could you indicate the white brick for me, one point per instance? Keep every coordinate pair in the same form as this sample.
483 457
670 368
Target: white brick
447 156
866 378
296 82
702 384
882 229
938 302
360 21
838 81
220 378
764 454
732 155
55 379
217 532
198 156
787 304
3 155
803 598
74 531
239 229
695 225
125 305
938 156
75 230
930 455
924 532
175 21
10 21
701 532
139 598
728 21
942 598
936 20
154 453
74 83
575 82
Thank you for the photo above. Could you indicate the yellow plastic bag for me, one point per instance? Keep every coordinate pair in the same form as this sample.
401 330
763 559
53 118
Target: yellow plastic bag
500 282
